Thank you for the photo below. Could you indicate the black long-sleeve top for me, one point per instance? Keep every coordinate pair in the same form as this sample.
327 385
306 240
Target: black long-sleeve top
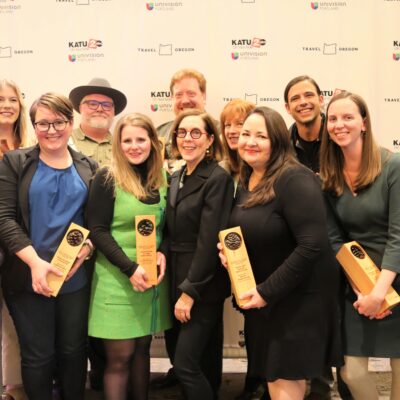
100 215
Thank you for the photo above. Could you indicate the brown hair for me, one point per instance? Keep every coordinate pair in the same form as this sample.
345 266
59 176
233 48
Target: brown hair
55 102
215 150
281 158
20 130
234 107
296 80
332 159
188 73
121 172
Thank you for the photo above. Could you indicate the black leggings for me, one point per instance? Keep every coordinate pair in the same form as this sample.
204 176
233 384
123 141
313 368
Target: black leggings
128 361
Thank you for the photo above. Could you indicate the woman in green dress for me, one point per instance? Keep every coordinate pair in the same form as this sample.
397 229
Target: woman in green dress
362 183
125 309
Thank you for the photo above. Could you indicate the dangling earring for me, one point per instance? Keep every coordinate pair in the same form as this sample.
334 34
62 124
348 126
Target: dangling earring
208 151
363 133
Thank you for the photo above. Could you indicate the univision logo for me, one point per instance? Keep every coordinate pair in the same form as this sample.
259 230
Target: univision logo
314 5
154 107
72 57
150 6
396 56
235 55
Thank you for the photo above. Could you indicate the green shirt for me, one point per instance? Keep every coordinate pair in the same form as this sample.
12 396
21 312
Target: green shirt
99 151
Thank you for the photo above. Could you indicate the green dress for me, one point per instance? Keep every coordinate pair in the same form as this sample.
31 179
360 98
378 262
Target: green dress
116 310
372 218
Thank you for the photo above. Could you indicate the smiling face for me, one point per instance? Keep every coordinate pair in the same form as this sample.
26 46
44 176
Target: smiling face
99 118
135 144
52 140
187 95
193 150
304 104
9 106
254 144
345 124
232 127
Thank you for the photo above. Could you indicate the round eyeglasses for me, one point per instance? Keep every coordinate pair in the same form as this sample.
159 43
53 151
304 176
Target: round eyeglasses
195 133
94 104
44 126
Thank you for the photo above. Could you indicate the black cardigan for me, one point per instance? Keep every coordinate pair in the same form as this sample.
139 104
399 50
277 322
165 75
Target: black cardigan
16 172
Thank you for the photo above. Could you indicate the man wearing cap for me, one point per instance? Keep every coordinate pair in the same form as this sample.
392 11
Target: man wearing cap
97 103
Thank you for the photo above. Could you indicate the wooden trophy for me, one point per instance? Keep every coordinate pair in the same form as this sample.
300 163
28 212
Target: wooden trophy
363 273
146 246
66 254
239 268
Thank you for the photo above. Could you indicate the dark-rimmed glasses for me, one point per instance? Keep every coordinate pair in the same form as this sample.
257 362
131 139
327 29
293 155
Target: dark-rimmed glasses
44 126
94 104
195 133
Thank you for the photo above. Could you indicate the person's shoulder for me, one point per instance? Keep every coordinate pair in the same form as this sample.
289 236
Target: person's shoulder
219 173
389 158
164 128
78 155
21 153
295 171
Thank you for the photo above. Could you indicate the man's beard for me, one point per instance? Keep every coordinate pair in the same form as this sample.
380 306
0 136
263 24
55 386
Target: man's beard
99 123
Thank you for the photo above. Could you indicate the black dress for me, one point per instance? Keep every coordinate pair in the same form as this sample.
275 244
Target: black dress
296 336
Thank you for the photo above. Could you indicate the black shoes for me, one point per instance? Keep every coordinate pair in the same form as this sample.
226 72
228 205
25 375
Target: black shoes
164 381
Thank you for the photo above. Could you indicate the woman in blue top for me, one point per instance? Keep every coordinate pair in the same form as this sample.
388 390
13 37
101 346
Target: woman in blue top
44 189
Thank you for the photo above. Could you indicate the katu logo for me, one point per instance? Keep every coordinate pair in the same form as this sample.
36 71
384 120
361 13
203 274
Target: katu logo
396 56
86 44
314 5
154 107
235 55
150 6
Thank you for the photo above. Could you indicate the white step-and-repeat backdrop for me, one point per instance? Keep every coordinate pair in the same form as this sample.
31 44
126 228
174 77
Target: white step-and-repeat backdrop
245 48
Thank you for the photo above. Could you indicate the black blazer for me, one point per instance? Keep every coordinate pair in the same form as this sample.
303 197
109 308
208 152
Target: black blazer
195 215
16 172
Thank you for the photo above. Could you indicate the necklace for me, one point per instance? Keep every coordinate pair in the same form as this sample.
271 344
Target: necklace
182 178
350 182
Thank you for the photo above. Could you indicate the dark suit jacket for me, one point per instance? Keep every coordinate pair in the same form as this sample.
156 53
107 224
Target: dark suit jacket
16 172
195 215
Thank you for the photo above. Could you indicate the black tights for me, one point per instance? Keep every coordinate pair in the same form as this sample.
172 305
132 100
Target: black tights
128 361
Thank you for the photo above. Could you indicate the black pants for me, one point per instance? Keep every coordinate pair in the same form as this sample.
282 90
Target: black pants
52 333
197 351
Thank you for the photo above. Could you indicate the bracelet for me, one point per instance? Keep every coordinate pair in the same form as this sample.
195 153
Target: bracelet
89 244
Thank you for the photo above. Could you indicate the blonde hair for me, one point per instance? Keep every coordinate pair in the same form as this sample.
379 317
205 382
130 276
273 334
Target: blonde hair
332 159
20 128
121 173
234 107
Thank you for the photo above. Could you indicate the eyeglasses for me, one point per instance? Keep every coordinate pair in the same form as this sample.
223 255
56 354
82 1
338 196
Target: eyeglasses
44 126
94 104
195 133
